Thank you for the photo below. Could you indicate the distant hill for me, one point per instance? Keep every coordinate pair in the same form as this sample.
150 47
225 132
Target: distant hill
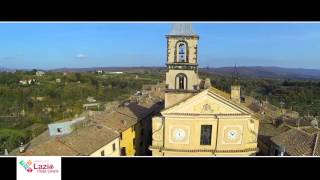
257 72
2 69
253 72
268 72
110 69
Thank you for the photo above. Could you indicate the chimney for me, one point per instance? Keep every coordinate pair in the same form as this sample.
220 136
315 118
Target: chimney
207 83
21 148
6 153
235 93
282 150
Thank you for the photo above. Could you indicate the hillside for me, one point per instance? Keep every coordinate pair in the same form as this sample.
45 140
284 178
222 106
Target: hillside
248 72
268 72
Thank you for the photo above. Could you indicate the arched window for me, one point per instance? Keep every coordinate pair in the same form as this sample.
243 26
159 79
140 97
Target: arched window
182 52
181 81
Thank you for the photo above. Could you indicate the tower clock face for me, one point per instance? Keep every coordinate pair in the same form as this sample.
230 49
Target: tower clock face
232 135
179 134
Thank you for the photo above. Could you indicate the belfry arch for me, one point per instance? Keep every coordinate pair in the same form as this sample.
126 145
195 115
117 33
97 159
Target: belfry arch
181 52
181 81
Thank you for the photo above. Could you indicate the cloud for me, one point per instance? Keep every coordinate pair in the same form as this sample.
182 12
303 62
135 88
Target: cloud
81 56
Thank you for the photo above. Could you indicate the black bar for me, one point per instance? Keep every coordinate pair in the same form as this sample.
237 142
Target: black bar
8 168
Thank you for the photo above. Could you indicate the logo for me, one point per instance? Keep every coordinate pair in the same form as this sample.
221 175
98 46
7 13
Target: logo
38 168
26 165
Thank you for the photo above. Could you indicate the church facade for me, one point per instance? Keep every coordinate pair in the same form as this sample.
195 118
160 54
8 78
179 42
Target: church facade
197 121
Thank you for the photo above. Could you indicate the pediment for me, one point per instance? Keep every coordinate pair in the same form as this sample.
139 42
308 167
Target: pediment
207 102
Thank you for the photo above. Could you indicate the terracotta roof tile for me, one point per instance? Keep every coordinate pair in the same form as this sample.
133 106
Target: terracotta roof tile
297 142
92 134
267 131
82 141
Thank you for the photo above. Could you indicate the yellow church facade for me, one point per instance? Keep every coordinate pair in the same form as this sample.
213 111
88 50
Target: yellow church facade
195 121
207 124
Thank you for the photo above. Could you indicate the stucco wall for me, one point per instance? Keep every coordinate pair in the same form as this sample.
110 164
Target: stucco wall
175 97
108 149
192 129
219 140
127 141
192 78
235 93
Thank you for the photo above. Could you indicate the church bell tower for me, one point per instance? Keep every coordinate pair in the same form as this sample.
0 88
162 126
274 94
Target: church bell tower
182 64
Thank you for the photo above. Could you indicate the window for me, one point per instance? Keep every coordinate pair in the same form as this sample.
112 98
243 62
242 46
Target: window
181 81
123 151
205 138
113 147
59 130
102 153
120 136
182 52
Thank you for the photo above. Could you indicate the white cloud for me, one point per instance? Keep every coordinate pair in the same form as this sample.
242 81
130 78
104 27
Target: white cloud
81 56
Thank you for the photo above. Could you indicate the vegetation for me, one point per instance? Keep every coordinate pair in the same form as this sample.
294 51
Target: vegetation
299 95
27 107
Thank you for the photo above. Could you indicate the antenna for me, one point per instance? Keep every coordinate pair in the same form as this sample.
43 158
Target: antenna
208 67
235 75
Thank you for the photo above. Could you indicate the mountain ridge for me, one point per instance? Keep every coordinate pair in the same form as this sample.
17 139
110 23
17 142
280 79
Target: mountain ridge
268 72
244 71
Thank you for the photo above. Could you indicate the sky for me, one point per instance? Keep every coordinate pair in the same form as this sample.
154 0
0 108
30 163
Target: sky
77 45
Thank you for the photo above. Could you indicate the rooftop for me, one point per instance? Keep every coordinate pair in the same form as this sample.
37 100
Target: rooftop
219 92
182 29
298 143
84 140
268 130
297 122
92 133
125 117
245 105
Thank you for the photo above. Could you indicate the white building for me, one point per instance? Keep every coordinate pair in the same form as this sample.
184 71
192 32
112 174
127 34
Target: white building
40 73
114 72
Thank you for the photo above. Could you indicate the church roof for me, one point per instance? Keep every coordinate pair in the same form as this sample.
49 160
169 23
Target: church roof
221 95
182 29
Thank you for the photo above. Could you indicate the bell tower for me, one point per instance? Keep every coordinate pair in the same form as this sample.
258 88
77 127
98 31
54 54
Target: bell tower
182 64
